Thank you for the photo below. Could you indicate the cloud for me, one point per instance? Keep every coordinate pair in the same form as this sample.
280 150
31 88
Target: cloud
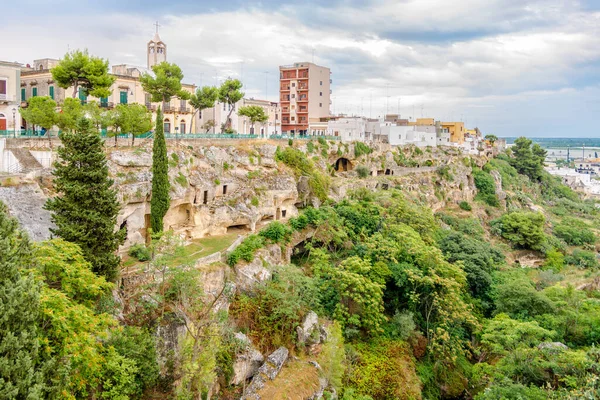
472 58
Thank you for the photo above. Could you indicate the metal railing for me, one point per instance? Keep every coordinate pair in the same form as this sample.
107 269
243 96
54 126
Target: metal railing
26 133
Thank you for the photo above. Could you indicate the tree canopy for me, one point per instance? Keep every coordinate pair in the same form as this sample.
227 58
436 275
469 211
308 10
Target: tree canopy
165 84
160 201
254 113
82 70
230 93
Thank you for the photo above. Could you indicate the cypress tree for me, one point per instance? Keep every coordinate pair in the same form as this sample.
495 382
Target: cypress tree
85 208
21 368
159 204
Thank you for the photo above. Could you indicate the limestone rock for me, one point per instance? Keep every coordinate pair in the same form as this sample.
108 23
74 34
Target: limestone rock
247 275
131 158
553 346
268 371
309 332
247 362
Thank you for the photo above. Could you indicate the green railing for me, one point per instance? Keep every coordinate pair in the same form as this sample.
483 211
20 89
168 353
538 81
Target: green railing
303 137
28 133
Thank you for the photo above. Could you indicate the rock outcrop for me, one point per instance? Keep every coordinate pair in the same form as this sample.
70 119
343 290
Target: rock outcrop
268 371
247 362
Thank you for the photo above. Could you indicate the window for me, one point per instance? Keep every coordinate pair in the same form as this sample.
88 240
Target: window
23 94
147 99
33 92
167 126
320 93
82 96
224 105
182 127
320 104
51 92
2 86
293 96
293 118
123 97
104 102
293 84
224 189
321 83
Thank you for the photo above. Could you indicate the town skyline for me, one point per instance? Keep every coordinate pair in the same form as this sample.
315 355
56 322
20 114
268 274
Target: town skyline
532 72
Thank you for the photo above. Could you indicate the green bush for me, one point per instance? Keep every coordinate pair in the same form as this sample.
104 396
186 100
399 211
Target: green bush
276 232
245 251
486 187
290 142
299 222
523 229
464 205
310 147
574 232
444 173
139 252
181 180
582 259
362 171
361 149
254 201
302 166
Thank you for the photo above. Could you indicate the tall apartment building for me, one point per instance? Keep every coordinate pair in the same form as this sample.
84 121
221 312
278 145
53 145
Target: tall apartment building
305 97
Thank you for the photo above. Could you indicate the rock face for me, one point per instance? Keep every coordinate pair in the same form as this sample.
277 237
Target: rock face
268 371
309 332
553 346
247 362
25 203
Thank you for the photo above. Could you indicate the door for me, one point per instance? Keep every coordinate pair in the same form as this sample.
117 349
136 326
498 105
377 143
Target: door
123 97
2 124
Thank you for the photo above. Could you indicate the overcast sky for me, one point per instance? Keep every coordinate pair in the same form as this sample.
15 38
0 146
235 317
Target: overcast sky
510 67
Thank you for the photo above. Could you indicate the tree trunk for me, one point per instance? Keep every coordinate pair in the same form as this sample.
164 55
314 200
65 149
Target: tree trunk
228 122
132 139
116 137
75 87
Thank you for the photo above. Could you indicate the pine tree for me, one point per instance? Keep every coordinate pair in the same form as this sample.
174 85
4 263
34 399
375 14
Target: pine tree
159 204
85 209
21 368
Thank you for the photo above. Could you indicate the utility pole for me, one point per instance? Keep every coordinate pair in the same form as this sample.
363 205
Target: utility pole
266 85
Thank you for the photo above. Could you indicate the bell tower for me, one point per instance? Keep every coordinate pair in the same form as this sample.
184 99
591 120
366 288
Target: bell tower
156 50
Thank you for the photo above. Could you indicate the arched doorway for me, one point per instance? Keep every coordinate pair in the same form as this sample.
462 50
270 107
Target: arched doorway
167 125
343 164
182 127
2 122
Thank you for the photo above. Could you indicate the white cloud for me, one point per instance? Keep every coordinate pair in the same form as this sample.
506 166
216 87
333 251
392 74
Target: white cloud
495 52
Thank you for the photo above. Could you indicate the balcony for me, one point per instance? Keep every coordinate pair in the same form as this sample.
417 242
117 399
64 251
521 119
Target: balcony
107 104
184 110
285 88
150 107
302 87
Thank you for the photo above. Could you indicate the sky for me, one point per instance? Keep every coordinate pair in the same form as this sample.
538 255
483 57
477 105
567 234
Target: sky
510 67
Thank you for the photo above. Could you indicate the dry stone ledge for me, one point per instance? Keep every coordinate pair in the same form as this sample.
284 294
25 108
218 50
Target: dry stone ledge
247 362
268 371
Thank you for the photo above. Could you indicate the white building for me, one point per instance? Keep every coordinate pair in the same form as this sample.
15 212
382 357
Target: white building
10 82
349 129
239 124
421 136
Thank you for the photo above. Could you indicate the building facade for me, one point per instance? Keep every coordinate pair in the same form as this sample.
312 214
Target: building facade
456 131
9 96
305 98
348 129
240 124
36 80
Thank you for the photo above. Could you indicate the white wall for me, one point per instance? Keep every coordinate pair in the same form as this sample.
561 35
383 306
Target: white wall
348 129
8 162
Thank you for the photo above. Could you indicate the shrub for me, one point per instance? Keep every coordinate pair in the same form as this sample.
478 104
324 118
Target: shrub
140 252
523 229
181 180
361 149
555 260
302 166
574 232
254 201
245 251
299 223
290 142
444 173
362 171
310 147
582 259
402 325
175 157
227 166
486 187
464 205
276 232
323 142
217 181
519 299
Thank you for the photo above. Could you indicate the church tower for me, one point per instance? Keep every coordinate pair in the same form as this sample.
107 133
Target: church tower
157 50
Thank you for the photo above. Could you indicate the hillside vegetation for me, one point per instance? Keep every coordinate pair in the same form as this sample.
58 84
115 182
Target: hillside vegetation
495 298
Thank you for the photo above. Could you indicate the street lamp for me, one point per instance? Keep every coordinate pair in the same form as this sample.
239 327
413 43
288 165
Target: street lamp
14 110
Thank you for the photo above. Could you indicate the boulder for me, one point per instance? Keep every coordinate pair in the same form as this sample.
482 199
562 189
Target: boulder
309 332
268 371
553 346
247 362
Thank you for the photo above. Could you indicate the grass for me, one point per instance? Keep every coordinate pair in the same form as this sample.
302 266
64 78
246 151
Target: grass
189 254
297 380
